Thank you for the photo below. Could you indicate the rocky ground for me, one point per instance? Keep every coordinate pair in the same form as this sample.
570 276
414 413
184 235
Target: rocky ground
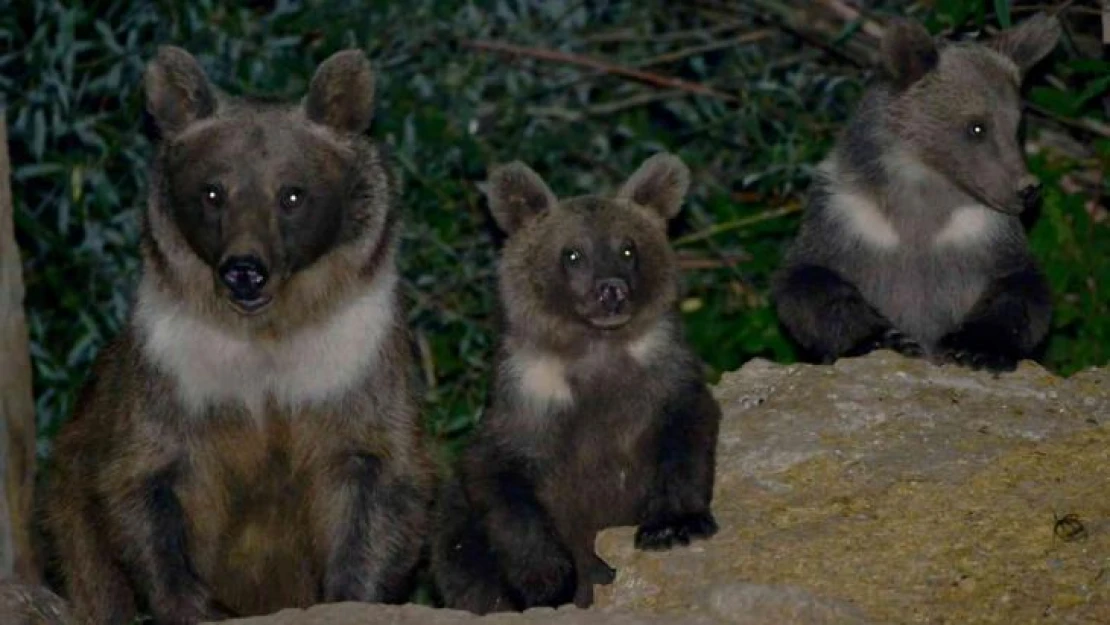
896 492
878 490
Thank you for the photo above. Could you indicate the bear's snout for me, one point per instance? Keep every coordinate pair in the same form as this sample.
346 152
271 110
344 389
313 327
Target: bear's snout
611 294
245 277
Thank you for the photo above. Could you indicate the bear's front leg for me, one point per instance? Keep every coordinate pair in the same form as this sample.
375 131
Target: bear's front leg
677 509
149 514
373 521
1007 324
827 315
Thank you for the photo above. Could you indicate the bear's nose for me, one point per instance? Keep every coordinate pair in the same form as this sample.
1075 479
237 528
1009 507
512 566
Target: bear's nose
244 276
611 293
1029 195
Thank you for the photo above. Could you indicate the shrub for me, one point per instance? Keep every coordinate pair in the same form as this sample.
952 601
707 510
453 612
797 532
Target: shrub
784 76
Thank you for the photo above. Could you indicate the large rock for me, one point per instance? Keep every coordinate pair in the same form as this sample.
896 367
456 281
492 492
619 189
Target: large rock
878 490
361 614
912 492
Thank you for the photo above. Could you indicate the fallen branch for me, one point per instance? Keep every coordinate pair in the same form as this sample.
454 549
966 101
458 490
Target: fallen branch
852 14
604 108
737 224
640 99
819 24
678 55
1088 124
697 262
625 35
579 60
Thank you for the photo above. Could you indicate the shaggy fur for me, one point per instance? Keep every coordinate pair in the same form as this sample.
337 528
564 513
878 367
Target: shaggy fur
225 461
911 238
599 415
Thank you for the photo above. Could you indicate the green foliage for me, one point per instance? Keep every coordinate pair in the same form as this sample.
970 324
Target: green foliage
1072 248
70 80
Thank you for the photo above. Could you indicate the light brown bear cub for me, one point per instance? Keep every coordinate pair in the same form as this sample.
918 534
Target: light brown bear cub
250 442
599 415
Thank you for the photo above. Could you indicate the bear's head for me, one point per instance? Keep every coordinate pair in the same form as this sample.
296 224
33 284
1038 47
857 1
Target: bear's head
956 106
261 192
590 265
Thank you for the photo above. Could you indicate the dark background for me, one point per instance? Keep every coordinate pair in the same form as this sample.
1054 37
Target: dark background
769 83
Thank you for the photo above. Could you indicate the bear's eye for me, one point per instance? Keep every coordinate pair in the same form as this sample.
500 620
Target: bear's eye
976 130
572 257
628 251
292 198
212 196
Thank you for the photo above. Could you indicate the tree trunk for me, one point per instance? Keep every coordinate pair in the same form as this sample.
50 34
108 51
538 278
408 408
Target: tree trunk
17 415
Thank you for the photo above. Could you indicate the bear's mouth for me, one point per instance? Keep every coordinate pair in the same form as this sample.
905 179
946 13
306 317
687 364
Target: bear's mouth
610 321
1011 209
250 306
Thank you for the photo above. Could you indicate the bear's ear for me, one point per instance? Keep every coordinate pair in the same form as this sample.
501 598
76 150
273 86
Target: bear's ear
1028 42
908 51
516 194
660 183
177 90
341 94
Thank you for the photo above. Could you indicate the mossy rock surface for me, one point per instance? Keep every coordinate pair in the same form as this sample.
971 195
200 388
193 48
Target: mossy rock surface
910 492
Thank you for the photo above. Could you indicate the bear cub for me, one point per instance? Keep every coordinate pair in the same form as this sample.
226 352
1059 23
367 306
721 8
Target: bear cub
912 239
250 440
599 415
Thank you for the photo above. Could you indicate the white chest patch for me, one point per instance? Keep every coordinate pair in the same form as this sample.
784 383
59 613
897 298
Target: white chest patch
967 225
542 378
644 348
212 366
863 218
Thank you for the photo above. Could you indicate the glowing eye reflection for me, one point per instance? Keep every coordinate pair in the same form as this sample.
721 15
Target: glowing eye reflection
213 195
292 198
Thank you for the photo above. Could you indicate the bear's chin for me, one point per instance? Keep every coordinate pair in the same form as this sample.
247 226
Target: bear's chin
610 322
251 307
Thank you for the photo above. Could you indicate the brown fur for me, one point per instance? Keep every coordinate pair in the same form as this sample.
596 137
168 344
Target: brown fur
207 471
911 238
590 425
